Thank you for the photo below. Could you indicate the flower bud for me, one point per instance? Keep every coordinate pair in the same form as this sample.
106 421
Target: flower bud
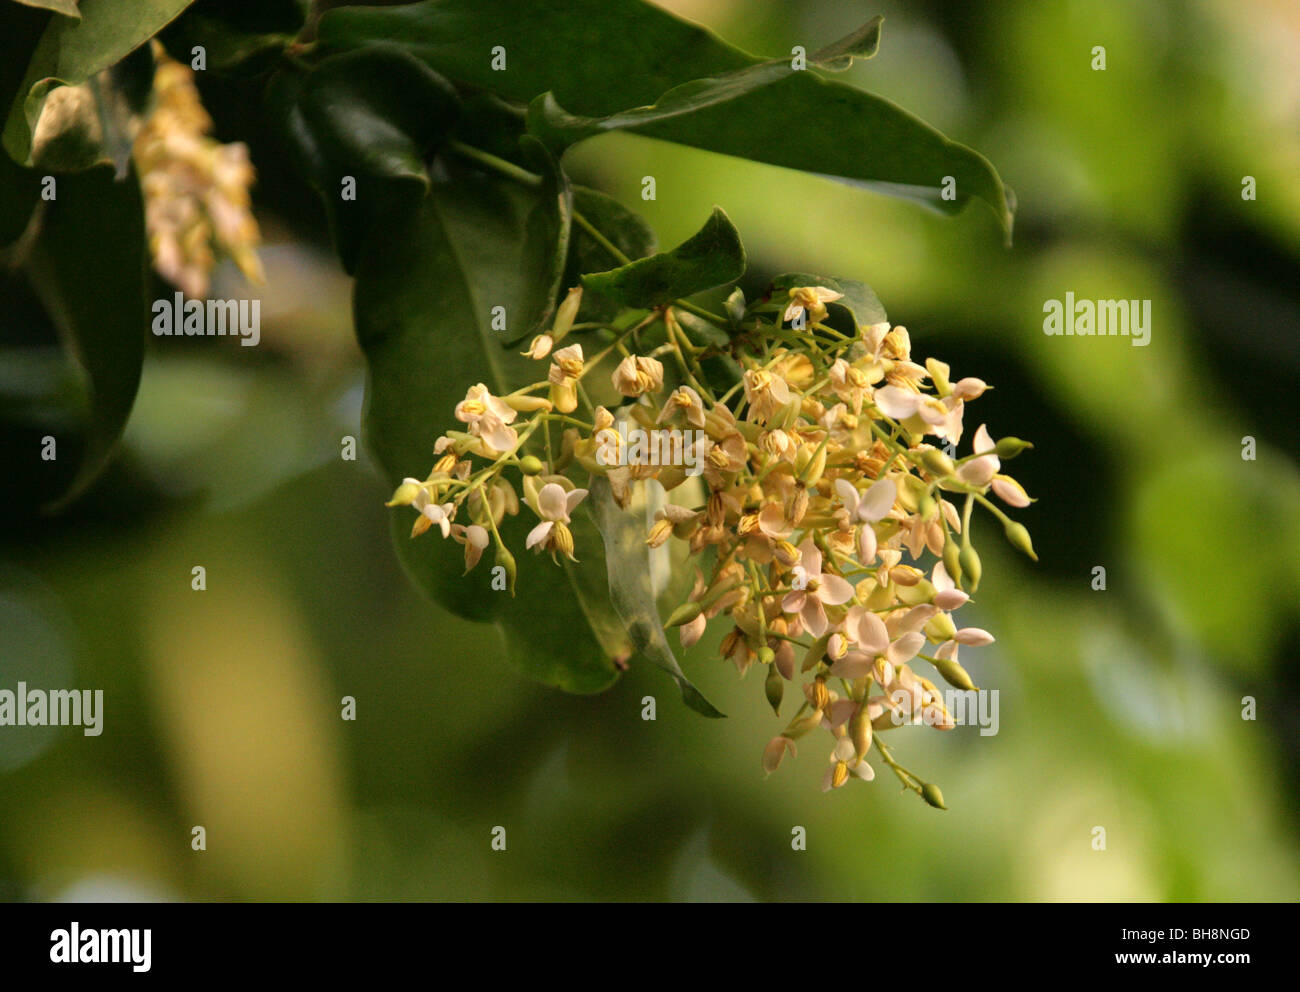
954 674
1019 538
404 495
507 561
969 560
860 729
683 614
1009 447
816 651
951 559
937 462
530 465
939 376
805 723
525 403
915 595
811 463
931 794
565 314
775 751
774 687
940 628
926 507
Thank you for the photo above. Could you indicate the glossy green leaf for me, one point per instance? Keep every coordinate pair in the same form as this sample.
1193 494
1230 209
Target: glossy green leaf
71 51
374 117
606 57
845 134
628 560
423 309
88 266
597 56
860 302
713 256
559 129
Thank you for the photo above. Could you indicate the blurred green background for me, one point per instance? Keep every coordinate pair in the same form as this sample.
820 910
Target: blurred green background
1119 708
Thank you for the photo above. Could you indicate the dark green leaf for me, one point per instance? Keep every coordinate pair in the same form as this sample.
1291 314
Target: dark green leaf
374 115
628 560
423 306
713 256
846 134
559 129
88 266
597 56
860 301
71 51
603 57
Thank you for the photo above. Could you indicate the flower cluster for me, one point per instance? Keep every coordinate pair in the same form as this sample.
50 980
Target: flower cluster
829 521
195 188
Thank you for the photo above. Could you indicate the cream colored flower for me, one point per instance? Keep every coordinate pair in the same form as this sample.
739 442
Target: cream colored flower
566 369
809 302
554 506
475 539
1010 491
850 384
814 590
540 347
765 393
196 189
946 594
979 471
637 374
431 513
921 412
688 401
866 509
666 519
488 418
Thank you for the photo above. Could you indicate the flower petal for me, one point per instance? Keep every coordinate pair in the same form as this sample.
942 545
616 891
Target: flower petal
539 533
551 502
834 590
878 500
870 633
893 401
905 648
973 636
